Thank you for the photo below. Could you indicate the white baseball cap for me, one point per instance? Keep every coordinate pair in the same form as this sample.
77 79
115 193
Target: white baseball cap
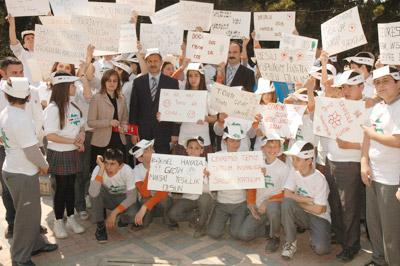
196 67
139 148
264 86
316 72
27 32
385 71
233 131
152 51
362 60
295 150
344 78
61 77
122 66
271 136
17 87
199 140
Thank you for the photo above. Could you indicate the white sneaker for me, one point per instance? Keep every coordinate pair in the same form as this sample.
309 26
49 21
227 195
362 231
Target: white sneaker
59 229
289 249
88 203
83 215
74 226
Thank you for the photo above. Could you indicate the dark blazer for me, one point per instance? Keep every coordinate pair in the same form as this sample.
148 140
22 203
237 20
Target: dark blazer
143 112
243 77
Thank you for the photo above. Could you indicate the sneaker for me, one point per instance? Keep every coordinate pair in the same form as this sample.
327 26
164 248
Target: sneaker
59 229
289 249
8 234
272 245
83 215
88 203
346 255
74 226
101 233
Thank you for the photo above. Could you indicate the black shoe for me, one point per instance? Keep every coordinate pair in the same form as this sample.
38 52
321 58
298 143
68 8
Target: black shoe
8 234
101 233
121 223
43 230
372 263
346 255
28 263
47 248
300 230
272 245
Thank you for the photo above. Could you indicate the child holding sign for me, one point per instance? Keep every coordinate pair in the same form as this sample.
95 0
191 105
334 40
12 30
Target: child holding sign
231 204
184 208
306 202
265 203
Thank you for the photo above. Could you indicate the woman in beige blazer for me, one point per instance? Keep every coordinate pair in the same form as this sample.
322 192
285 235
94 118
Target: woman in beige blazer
107 116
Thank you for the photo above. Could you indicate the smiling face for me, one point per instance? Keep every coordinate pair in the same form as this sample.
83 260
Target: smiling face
387 88
232 145
272 149
194 148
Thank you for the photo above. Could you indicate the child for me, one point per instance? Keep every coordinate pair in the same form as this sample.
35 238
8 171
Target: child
112 187
306 202
231 204
265 203
363 62
183 208
151 203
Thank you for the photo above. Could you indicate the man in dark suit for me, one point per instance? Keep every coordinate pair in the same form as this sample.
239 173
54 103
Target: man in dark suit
144 103
235 73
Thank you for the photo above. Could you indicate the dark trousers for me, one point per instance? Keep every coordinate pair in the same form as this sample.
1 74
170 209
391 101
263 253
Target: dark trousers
6 195
83 178
159 210
64 197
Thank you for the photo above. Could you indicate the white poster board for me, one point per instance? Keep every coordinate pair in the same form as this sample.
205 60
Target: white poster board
296 42
167 16
168 39
182 105
127 38
236 170
63 22
389 43
178 174
342 32
69 7
233 24
27 8
59 45
141 7
284 65
339 118
235 103
284 119
207 48
119 12
269 26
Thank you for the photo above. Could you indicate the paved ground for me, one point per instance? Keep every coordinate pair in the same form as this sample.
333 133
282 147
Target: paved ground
158 244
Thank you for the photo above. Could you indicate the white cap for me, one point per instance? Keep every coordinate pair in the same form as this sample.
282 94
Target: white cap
27 32
139 148
295 150
298 95
62 78
19 87
345 79
264 86
384 71
122 66
233 131
362 60
152 51
196 67
271 136
199 140
316 72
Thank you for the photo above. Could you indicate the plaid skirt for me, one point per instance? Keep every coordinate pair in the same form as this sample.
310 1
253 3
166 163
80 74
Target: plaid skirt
64 163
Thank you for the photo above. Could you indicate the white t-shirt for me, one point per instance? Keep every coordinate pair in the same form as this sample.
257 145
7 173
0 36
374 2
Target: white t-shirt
73 124
139 173
120 183
24 56
127 92
385 160
369 88
206 189
305 131
313 186
275 179
244 124
337 154
17 132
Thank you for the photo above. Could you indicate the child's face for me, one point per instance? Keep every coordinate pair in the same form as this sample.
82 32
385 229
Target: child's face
352 92
232 145
194 78
112 167
194 149
267 98
272 149
301 164
146 157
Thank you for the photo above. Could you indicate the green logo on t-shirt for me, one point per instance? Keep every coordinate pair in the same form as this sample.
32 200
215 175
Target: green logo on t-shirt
378 126
74 119
268 181
302 192
4 139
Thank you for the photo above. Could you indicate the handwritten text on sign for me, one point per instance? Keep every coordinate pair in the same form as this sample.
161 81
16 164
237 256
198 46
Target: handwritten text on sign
69 7
339 118
284 65
179 174
235 103
182 105
26 8
235 170
296 42
342 32
283 119
141 7
120 12
269 26
389 43
207 48
236 25
166 38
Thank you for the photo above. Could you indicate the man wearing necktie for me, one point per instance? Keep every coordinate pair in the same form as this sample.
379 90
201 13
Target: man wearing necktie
144 105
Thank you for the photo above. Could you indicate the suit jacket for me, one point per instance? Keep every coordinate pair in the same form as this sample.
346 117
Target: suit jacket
243 77
143 112
101 112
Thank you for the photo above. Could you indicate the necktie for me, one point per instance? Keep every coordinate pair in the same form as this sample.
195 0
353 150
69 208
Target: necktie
153 88
229 76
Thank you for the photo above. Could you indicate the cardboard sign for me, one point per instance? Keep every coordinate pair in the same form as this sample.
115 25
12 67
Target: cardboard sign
119 12
182 105
343 32
63 22
168 39
27 8
207 48
234 24
127 38
235 170
167 16
235 103
60 45
178 174
283 119
296 42
69 7
284 65
339 118
269 26
141 7
389 43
